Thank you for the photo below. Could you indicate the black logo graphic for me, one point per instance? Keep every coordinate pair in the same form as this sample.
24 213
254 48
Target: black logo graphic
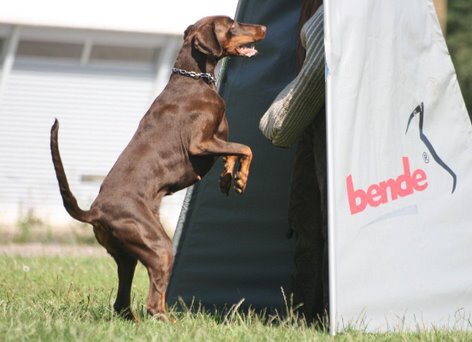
420 111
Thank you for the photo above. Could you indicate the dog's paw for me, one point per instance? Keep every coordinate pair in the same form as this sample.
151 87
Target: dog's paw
165 317
240 182
225 182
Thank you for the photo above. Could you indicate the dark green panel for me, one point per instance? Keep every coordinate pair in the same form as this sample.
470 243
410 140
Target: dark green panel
236 247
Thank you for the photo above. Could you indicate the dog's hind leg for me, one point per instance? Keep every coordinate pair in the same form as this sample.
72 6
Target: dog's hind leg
126 267
145 239
159 271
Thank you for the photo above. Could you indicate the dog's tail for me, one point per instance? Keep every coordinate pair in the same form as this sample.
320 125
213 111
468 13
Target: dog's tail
70 202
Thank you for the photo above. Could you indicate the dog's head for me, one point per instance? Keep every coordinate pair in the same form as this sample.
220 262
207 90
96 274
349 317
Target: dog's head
221 36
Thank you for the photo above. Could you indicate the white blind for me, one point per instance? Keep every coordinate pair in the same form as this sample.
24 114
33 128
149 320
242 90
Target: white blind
98 108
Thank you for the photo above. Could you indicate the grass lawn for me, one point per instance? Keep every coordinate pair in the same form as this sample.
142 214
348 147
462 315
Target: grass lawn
70 298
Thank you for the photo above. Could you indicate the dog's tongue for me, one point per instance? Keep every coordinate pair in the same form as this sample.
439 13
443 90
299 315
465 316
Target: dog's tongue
247 51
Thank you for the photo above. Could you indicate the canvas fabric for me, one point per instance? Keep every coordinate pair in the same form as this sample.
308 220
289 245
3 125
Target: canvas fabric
400 170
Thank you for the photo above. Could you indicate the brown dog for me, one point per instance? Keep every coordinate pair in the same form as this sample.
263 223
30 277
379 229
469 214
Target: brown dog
175 145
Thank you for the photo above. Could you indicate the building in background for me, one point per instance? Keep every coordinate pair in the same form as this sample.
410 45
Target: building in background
96 66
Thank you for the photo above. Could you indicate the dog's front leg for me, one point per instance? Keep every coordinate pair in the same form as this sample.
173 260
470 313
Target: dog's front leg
231 152
226 176
240 179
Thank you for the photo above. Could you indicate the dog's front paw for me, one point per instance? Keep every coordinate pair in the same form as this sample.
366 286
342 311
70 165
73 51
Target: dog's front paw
240 182
225 182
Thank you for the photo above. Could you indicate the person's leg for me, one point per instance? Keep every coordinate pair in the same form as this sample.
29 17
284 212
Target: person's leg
305 218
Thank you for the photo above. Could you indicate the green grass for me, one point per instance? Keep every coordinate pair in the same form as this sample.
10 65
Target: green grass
64 299
31 229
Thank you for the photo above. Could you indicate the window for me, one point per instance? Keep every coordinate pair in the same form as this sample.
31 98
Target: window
88 54
108 53
28 48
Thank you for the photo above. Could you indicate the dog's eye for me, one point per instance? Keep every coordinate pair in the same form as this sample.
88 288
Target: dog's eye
232 29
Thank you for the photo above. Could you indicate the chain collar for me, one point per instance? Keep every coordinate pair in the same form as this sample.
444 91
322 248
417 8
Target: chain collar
205 75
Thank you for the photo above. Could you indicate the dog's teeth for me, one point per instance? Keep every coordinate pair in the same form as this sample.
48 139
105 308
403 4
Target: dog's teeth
247 51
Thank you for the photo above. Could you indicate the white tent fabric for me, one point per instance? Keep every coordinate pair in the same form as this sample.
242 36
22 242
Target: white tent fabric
400 169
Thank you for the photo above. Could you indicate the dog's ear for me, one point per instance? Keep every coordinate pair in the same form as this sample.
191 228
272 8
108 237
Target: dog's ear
206 41
188 30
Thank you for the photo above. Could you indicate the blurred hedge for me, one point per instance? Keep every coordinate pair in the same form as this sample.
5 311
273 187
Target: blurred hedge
459 41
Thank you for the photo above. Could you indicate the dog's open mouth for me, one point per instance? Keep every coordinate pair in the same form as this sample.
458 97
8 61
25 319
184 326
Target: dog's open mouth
247 51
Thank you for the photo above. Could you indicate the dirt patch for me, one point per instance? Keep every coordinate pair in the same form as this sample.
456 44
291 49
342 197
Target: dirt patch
38 249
